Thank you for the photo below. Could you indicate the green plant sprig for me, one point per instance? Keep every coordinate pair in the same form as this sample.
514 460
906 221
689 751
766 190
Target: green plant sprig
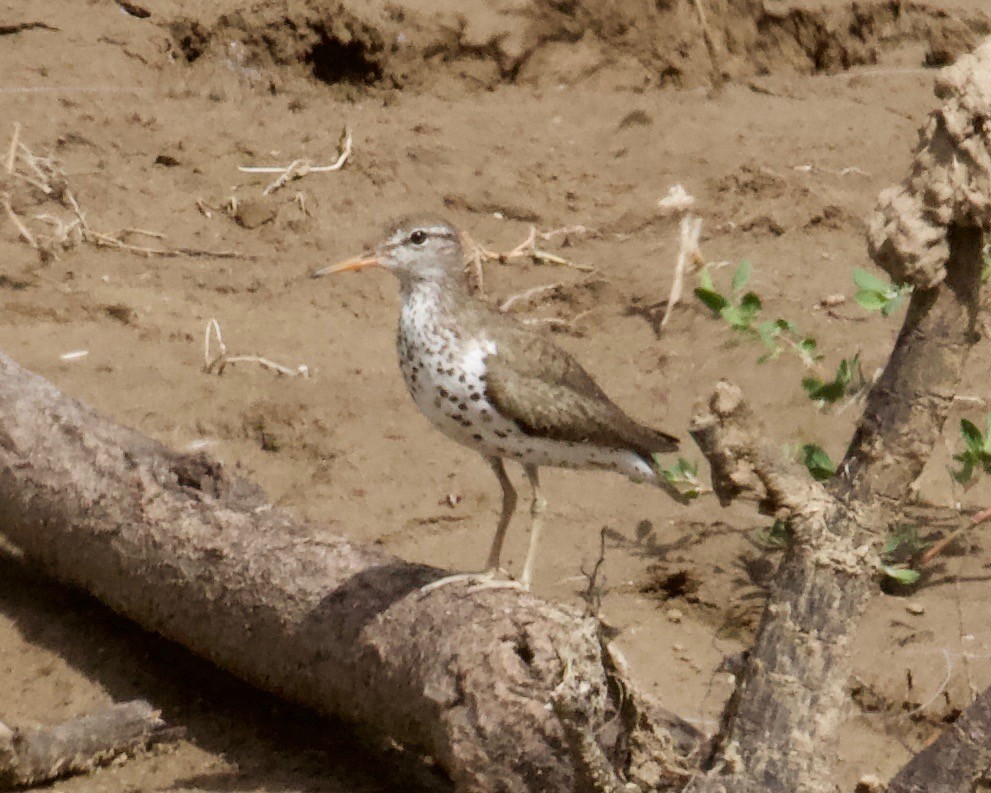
899 553
876 294
817 461
977 450
683 476
740 311
848 381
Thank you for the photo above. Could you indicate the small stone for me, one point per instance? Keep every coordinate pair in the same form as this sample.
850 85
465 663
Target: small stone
915 608
254 212
870 783
674 615
678 648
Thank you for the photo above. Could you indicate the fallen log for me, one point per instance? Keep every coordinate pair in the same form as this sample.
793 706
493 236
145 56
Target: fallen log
35 755
465 675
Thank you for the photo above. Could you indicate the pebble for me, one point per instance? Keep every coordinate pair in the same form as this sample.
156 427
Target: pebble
674 615
915 608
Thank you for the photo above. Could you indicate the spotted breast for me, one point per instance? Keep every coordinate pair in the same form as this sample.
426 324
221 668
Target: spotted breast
445 367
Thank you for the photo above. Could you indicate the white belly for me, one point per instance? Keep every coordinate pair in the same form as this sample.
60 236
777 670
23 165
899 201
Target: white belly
445 375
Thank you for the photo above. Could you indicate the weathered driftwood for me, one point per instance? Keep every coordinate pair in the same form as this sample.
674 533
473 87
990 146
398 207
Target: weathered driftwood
32 755
956 762
464 674
780 726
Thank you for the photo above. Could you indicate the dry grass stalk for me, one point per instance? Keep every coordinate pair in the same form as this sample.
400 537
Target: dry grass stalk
297 169
18 223
679 201
558 323
44 175
529 296
710 45
12 152
473 262
476 254
222 359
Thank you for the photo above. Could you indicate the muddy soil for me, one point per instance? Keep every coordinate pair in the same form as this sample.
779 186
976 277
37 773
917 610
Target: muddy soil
501 115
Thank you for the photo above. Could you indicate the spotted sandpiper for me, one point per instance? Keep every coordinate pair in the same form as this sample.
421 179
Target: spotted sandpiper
496 386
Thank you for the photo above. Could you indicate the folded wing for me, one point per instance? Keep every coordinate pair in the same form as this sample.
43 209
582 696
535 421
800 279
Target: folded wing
548 394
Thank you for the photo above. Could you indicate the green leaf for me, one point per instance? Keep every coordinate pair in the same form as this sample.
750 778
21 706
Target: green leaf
774 536
684 473
903 575
836 389
971 436
741 276
712 299
868 282
871 300
734 317
808 348
966 468
812 386
705 280
903 542
817 461
750 304
768 333
893 544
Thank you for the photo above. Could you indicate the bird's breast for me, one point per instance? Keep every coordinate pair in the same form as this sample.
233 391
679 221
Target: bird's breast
445 373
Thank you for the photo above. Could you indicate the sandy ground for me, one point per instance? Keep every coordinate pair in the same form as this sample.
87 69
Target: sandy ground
148 115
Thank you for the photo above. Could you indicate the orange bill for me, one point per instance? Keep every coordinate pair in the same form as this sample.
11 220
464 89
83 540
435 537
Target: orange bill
357 263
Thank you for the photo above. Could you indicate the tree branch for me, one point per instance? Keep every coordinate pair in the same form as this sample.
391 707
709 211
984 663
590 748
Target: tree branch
780 726
33 755
957 760
742 457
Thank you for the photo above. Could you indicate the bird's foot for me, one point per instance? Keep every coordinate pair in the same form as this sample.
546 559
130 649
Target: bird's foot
490 579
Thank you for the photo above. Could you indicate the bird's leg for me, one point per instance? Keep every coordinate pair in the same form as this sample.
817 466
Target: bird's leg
488 579
537 507
508 508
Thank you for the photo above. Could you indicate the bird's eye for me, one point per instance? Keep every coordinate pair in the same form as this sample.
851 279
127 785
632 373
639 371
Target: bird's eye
418 237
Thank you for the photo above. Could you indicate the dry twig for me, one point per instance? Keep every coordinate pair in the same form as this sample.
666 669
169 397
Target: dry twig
220 361
938 547
710 45
12 152
18 223
297 169
679 201
46 176
526 249
558 323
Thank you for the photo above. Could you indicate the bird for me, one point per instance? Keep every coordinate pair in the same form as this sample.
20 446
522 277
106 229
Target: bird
496 386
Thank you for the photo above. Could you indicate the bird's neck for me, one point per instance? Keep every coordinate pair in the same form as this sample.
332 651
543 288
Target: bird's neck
438 295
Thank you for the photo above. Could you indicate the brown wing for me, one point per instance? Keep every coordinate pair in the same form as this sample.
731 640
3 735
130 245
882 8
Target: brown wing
548 394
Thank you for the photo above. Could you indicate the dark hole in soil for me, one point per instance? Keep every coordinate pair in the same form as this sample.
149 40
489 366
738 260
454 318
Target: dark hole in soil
190 37
524 650
333 61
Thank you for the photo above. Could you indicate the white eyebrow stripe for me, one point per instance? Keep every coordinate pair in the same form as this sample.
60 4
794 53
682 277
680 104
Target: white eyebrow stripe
401 236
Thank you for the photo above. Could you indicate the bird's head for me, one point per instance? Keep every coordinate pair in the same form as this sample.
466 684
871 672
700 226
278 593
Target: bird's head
415 249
